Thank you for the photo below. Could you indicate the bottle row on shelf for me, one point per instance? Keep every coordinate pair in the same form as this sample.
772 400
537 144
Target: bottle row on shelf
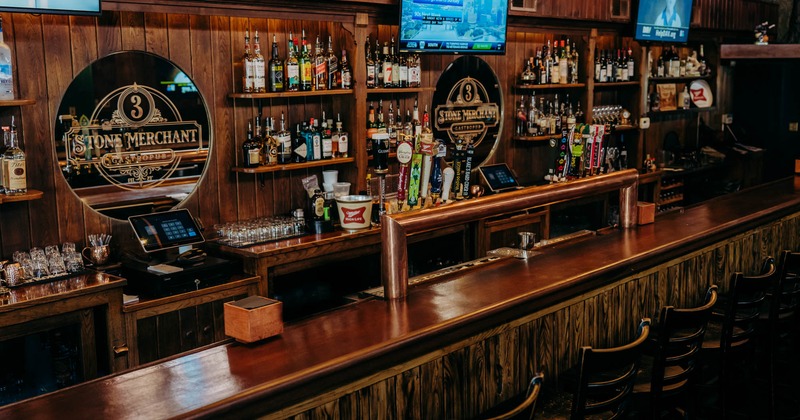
552 64
312 140
13 176
670 65
548 118
302 70
608 69
388 68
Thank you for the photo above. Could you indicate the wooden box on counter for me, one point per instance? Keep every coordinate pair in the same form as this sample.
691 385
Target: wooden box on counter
253 318
647 212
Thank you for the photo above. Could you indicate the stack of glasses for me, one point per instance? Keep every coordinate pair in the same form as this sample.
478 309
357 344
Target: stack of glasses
42 264
255 231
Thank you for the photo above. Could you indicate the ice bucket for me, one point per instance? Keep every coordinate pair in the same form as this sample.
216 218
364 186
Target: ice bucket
355 211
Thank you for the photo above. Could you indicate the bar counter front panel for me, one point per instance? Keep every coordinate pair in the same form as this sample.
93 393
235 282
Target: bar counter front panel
460 345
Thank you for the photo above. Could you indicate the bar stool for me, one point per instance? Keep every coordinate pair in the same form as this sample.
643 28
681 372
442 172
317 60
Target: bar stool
731 334
668 373
605 381
525 409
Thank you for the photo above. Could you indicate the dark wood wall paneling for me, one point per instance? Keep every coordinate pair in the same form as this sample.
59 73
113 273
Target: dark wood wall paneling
493 366
50 50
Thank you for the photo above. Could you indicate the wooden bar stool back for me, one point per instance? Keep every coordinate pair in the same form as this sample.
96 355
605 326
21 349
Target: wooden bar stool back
527 408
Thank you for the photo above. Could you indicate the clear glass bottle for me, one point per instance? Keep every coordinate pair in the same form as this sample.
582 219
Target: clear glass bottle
284 138
6 71
292 68
14 172
259 73
341 138
248 76
326 138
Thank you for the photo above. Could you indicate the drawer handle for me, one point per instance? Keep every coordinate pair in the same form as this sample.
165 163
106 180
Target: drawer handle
121 349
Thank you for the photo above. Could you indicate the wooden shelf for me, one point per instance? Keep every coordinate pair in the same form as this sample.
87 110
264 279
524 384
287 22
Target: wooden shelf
28 196
537 138
670 201
598 85
400 90
617 128
268 95
747 51
671 186
650 177
18 102
552 86
676 79
293 166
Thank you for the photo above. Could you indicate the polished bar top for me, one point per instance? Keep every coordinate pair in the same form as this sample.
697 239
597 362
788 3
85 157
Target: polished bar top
330 349
54 291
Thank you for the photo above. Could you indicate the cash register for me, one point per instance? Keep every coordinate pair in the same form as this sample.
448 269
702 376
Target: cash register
172 264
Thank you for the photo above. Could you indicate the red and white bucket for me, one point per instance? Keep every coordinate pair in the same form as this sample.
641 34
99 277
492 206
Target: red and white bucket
355 211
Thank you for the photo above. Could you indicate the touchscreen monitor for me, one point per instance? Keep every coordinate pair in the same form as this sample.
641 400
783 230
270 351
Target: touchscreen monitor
157 231
498 177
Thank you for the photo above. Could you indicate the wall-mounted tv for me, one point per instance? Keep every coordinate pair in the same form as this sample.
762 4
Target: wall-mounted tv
453 26
663 20
61 7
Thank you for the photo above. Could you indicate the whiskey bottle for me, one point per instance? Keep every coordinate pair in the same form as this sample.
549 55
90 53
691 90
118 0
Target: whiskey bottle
275 69
574 65
334 73
395 64
14 172
251 149
341 138
326 138
403 70
378 64
284 139
370 65
320 68
414 71
563 65
3 148
248 75
270 145
532 128
292 67
306 67
522 118
387 67
259 76
6 71
347 72
316 138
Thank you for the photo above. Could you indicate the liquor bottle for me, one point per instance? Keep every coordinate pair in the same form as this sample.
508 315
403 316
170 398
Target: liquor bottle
395 64
387 78
675 64
631 65
522 118
370 65
250 148
320 67
299 147
528 77
292 67
14 165
306 133
372 123
334 72
621 68
346 72
6 71
414 71
575 67
284 139
701 59
3 148
270 148
403 70
341 138
259 73
306 66
258 139
563 65
597 64
391 128
603 68
541 70
381 124
378 64
248 71
660 71
555 72
275 69
326 138
316 138
548 65
317 205
532 129
623 154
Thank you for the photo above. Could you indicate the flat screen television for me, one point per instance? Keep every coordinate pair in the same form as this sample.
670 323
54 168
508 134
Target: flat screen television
663 20
453 26
61 7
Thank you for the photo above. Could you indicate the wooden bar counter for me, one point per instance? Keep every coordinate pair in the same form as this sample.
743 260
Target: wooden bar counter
461 344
